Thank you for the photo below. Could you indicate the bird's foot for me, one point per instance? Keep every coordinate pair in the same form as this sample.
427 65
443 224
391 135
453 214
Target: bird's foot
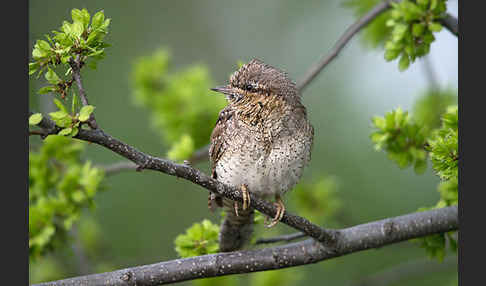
280 212
246 199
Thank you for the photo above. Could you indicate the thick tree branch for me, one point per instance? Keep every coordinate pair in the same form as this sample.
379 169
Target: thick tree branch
343 40
353 239
145 161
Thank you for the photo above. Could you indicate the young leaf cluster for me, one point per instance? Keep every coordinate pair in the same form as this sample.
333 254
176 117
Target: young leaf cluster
60 186
401 138
199 239
82 40
440 143
182 107
443 146
70 123
406 30
413 24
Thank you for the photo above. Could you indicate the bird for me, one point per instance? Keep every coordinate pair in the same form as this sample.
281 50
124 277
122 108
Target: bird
260 144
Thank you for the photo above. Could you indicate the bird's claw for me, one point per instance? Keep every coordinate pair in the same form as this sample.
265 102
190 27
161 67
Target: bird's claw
280 213
246 199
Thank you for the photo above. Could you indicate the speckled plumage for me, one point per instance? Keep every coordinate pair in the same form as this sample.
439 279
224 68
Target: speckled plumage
262 138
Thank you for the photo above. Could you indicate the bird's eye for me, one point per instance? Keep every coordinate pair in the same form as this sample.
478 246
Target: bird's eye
250 87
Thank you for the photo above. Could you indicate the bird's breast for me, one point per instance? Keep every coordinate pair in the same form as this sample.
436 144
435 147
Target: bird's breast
268 156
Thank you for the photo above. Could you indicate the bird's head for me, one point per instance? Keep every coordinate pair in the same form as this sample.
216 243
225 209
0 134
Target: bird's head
255 79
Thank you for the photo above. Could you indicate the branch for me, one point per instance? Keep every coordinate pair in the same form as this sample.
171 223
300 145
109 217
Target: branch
118 167
76 67
430 73
287 237
343 40
145 161
451 23
115 168
366 236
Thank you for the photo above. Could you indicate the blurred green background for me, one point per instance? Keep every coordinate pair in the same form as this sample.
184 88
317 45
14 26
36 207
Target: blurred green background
140 214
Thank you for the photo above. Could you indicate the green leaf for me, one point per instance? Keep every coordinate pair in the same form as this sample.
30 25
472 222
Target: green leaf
77 29
403 63
98 20
62 118
435 27
35 118
85 112
379 122
92 36
77 15
433 4
43 45
33 68
81 16
37 54
423 3
65 131
66 28
199 239
106 23
391 54
418 29
46 89
60 105
52 77
75 131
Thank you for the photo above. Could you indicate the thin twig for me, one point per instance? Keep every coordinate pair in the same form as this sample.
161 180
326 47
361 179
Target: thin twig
145 161
286 238
76 67
118 168
83 264
430 72
365 236
343 40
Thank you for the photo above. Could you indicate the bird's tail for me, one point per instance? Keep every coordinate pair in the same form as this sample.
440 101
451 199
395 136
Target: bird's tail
235 230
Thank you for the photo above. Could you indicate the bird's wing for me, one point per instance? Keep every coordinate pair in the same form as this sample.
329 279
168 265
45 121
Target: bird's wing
217 148
218 139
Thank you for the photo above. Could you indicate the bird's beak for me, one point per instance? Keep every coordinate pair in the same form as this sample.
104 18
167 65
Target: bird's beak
223 89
